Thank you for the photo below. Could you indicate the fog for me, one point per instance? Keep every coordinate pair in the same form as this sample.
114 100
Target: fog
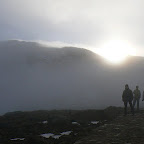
38 77
89 22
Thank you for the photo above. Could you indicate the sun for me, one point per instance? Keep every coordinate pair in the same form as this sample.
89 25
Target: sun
116 51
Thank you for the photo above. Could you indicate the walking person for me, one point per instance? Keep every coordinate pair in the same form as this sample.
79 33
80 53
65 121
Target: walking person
127 97
137 95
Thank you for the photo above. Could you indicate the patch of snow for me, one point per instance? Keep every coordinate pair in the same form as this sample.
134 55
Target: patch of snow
75 123
45 122
94 122
47 135
56 136
15 139
66 133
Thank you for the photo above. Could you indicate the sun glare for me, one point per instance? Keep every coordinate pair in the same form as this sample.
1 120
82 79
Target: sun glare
116 51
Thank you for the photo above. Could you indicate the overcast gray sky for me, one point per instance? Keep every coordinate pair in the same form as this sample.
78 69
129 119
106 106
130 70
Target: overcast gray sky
86 22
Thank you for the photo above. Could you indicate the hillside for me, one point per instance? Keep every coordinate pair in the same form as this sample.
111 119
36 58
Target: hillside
34 77
55 127
122 130
107 126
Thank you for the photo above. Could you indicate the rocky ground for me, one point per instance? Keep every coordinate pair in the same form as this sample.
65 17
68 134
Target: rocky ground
122 130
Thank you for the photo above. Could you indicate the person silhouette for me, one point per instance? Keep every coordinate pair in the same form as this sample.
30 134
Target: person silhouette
127 97
137 95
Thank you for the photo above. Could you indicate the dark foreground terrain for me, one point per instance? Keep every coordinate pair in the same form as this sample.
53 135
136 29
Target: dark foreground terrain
54 127
122 130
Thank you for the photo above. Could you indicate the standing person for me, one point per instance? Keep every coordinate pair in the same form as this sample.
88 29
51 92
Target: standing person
127 97
137 95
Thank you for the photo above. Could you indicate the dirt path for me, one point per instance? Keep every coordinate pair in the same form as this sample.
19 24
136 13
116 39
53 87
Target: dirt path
123 130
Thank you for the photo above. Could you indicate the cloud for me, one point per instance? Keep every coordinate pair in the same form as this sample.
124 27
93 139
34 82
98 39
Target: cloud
89 22
57 44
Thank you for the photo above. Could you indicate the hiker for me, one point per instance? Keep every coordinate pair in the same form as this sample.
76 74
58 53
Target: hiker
127 97
137 95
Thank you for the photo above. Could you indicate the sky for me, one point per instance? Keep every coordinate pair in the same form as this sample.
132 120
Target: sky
87 23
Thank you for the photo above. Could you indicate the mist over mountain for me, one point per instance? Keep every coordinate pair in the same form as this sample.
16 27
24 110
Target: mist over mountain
33 76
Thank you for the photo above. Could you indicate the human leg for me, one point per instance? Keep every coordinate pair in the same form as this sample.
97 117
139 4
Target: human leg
137 104
131 106
134 102
125 108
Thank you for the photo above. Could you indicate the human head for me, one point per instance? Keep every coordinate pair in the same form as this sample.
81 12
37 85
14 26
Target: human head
137 87
126 86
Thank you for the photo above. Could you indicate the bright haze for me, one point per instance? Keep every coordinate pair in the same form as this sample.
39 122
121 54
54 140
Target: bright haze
90 23
38 73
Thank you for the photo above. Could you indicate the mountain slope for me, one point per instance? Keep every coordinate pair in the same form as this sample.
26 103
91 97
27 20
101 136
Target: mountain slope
36 77
122 130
